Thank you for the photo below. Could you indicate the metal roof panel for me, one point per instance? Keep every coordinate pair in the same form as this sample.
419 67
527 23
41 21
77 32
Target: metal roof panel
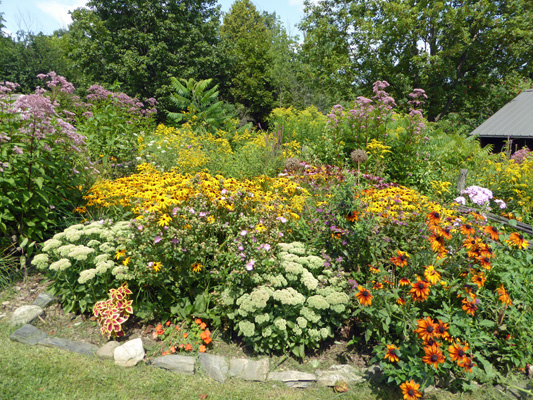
515 119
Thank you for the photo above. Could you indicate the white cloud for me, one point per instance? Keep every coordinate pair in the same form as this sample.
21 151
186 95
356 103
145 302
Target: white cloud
58 10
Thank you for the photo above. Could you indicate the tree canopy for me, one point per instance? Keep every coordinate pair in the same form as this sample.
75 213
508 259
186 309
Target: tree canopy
452 49
143 43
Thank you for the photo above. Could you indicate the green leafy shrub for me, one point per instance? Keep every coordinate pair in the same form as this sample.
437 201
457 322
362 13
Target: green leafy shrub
295 306
82 262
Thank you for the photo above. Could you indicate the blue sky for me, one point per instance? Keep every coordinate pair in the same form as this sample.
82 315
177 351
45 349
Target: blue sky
48 15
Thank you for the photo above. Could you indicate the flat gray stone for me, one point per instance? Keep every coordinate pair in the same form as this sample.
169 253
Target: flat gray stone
28 334
335 373
249 370
373 373
107 351
176 363
295 379
70 345
25 314
44 300
130 353
215 367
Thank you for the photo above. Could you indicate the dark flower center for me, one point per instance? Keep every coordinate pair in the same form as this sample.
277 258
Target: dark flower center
468 226
520 237
421 285
429 329
411 392
436 215
434 358
431 342
402 258
441 329
461 353
366 293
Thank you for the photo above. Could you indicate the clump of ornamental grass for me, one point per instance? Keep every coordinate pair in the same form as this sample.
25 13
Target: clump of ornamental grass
295 306
84 262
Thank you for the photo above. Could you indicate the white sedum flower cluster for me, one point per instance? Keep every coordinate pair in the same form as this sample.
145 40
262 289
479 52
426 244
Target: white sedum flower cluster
298 304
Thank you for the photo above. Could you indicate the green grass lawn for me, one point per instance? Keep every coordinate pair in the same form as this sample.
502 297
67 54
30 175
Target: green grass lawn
37 372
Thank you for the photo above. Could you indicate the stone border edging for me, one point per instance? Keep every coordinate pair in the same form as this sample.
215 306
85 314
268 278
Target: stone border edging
215 367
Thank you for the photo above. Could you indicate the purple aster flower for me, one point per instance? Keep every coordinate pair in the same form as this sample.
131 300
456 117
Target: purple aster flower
157 239
250 265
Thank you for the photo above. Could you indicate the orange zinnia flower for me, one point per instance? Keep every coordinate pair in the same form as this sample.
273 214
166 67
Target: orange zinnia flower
198 321
419 290
391 353
457 351
469 307
517 240
167 323
364 296
426 329
203 325
504 296
205 334
492 231
202 348
468 230
401 259
188 347
433 356
185 335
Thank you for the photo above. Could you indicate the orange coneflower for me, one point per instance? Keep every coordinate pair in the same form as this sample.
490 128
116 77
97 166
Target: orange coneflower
432 275
457 351
517 239
469 307
437 244
410 390
373 269
404 282
433 356
486 251
467 363
419 290
391 353
479 279
433 218
504 296
364 296
441 330
445 232
352 216
426 328
484 262
468 230
401 259
478 216
471 243
431 342
492 231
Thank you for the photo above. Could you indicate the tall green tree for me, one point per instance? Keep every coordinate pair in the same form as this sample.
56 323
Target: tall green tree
247 40
455 50
143 43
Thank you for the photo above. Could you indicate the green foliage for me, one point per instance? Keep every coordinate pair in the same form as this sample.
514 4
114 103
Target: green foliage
144 44
199 105
81 262
38 182
247 41
447 48
294 306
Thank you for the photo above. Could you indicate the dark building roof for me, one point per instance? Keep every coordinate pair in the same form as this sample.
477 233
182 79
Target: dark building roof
515 119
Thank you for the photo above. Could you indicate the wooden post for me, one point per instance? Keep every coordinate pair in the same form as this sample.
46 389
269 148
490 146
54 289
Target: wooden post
461 184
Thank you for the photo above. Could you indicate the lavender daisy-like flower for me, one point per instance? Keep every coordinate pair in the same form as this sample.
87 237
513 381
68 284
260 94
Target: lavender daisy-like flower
157 239
243 232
